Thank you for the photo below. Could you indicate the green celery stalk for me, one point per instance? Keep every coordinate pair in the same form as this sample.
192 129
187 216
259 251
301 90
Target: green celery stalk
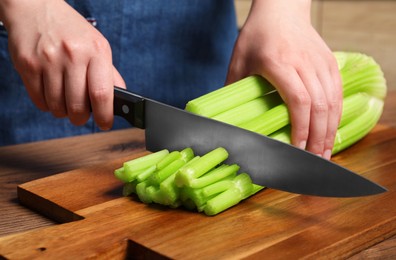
187 154
282 135
169 190
353 106
126 176
270 121
241 189
218 187
228 97
146 173
201 166
250 110
129 188
223 201
214 175
133 167
169 158
160 175
359 127
142 193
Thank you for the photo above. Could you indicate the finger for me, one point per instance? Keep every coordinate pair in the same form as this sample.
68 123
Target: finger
35 88
297 99
118 80
101 90
319 112
236 69
76 95
54 91
333 90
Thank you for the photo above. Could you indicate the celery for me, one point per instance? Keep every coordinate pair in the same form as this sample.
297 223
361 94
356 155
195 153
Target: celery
359 127
353 106
269 122
168 159
136 166
248 111
362 79
187 154
241 189
214 175
233 95
207 179
129 188
201 166
146 173
160 175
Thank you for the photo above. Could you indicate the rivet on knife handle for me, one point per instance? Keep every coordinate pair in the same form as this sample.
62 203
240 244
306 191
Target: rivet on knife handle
129 106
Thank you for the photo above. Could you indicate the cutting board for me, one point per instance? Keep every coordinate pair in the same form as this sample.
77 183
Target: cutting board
97 222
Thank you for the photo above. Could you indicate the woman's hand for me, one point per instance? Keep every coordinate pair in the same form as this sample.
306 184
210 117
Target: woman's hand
278 42
64 62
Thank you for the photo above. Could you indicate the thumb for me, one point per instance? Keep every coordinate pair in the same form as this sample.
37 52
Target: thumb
117 79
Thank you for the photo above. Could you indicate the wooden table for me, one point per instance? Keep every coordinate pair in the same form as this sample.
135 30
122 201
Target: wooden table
23 163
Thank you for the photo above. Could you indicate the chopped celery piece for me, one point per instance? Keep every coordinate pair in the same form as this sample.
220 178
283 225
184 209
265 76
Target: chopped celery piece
133 167
142 193
126 176
129 188
223 201
169 158
187 154
201 166
160 175
218 187
169 190
146 173
214 175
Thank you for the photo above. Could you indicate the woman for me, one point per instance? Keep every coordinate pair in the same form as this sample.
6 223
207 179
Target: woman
171 51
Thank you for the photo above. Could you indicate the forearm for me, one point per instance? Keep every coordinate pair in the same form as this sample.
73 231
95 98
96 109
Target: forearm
280 8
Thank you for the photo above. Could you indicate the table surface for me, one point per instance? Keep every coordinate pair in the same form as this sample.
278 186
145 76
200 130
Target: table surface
31 161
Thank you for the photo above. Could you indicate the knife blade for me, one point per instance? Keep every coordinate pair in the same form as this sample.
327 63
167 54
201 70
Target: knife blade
269 162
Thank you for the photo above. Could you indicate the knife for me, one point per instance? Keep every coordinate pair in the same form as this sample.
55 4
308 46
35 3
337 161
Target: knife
269 162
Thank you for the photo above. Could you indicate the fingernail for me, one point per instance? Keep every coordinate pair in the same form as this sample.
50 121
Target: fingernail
302 145
327 154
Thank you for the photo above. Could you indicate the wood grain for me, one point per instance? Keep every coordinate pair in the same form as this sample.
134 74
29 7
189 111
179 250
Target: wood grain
272 223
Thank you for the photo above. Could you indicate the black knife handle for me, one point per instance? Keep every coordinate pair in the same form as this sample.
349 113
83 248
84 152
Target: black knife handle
129 106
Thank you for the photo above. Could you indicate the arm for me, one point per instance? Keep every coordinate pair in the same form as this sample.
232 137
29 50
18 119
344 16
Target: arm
278 42
64 62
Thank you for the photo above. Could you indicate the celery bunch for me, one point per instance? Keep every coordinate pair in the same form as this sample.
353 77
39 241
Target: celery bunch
253 104
180 178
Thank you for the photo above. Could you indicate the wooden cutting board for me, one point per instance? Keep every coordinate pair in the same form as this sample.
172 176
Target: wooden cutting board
99 223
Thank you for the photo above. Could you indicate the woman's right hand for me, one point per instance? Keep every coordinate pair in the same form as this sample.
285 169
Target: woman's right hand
64 62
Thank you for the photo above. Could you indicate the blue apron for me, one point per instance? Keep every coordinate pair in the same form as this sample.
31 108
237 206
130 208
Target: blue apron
171 51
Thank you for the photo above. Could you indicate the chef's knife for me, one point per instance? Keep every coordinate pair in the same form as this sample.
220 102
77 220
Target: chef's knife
269 162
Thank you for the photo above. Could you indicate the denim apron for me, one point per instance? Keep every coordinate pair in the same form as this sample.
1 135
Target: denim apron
167 50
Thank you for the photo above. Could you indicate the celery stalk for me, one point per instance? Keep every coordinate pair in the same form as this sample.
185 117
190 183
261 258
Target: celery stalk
269 122
146 173
250 110
214 175
228 97
160 175
358 128
201 166
133 167
169 158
